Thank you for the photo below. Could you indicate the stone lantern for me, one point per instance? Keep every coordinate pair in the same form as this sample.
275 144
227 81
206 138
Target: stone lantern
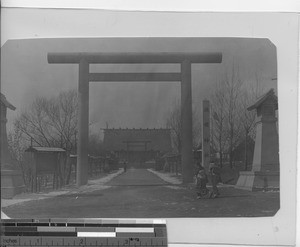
265 166
11 177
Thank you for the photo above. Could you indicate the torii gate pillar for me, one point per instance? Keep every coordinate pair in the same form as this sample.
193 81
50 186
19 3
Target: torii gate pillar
186 122
83 123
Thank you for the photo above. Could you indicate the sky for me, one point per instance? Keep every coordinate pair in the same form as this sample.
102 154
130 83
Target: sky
26 74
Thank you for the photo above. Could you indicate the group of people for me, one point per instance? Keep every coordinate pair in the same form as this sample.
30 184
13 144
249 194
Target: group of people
202 180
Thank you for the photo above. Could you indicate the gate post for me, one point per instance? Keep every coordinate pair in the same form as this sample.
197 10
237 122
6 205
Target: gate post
83 123
186 123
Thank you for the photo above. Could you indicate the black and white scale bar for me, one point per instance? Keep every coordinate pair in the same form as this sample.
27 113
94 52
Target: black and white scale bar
79 232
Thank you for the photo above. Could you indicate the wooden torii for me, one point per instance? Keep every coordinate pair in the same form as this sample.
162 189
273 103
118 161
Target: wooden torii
184 59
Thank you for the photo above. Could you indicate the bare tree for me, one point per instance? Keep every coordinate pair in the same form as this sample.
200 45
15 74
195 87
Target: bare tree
17 147
247 120
173 122
62 113
233 84
51 122
232 123
230 118
218 140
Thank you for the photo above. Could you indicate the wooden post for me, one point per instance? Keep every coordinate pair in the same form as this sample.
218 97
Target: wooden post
186 123
83 123
35 173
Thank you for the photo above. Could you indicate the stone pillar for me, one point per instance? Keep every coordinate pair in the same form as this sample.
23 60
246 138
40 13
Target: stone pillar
205 135
83 124
186 123
11 177
265 166
6 162
266 151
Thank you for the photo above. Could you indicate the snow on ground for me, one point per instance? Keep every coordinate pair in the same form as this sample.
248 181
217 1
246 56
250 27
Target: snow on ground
172 179
167 177
4 216
174 187
94 184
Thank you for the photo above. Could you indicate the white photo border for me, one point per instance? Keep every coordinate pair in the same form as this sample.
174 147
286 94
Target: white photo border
280 28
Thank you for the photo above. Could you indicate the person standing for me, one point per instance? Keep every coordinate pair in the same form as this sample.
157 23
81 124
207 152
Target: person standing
214 171
201 182
125 166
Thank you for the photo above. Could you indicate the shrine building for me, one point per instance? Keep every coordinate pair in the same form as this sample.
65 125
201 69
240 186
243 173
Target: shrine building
137 146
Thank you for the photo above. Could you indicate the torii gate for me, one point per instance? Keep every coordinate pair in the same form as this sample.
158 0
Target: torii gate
184 59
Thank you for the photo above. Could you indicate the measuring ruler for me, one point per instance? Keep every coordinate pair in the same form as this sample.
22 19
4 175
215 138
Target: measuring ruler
83 232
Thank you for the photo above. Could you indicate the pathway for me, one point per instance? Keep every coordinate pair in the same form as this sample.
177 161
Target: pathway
139 193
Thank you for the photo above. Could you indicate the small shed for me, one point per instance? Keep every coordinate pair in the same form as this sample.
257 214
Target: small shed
45 160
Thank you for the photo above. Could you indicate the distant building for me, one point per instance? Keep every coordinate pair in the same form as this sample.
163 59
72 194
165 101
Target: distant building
137 145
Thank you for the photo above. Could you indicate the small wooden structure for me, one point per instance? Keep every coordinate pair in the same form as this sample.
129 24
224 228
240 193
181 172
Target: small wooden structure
46 161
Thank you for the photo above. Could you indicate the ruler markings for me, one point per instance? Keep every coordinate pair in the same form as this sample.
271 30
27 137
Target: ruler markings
115 242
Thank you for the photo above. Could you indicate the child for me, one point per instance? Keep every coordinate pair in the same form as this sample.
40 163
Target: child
125 165
202 180
215 178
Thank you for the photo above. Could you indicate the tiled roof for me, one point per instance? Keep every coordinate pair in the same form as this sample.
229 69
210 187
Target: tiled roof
6 103
263 98
156 139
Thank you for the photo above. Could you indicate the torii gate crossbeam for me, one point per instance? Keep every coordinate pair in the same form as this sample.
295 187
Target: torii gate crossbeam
184 59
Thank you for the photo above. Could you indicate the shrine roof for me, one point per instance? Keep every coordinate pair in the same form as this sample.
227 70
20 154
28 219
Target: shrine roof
263 98
156 139
6 103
